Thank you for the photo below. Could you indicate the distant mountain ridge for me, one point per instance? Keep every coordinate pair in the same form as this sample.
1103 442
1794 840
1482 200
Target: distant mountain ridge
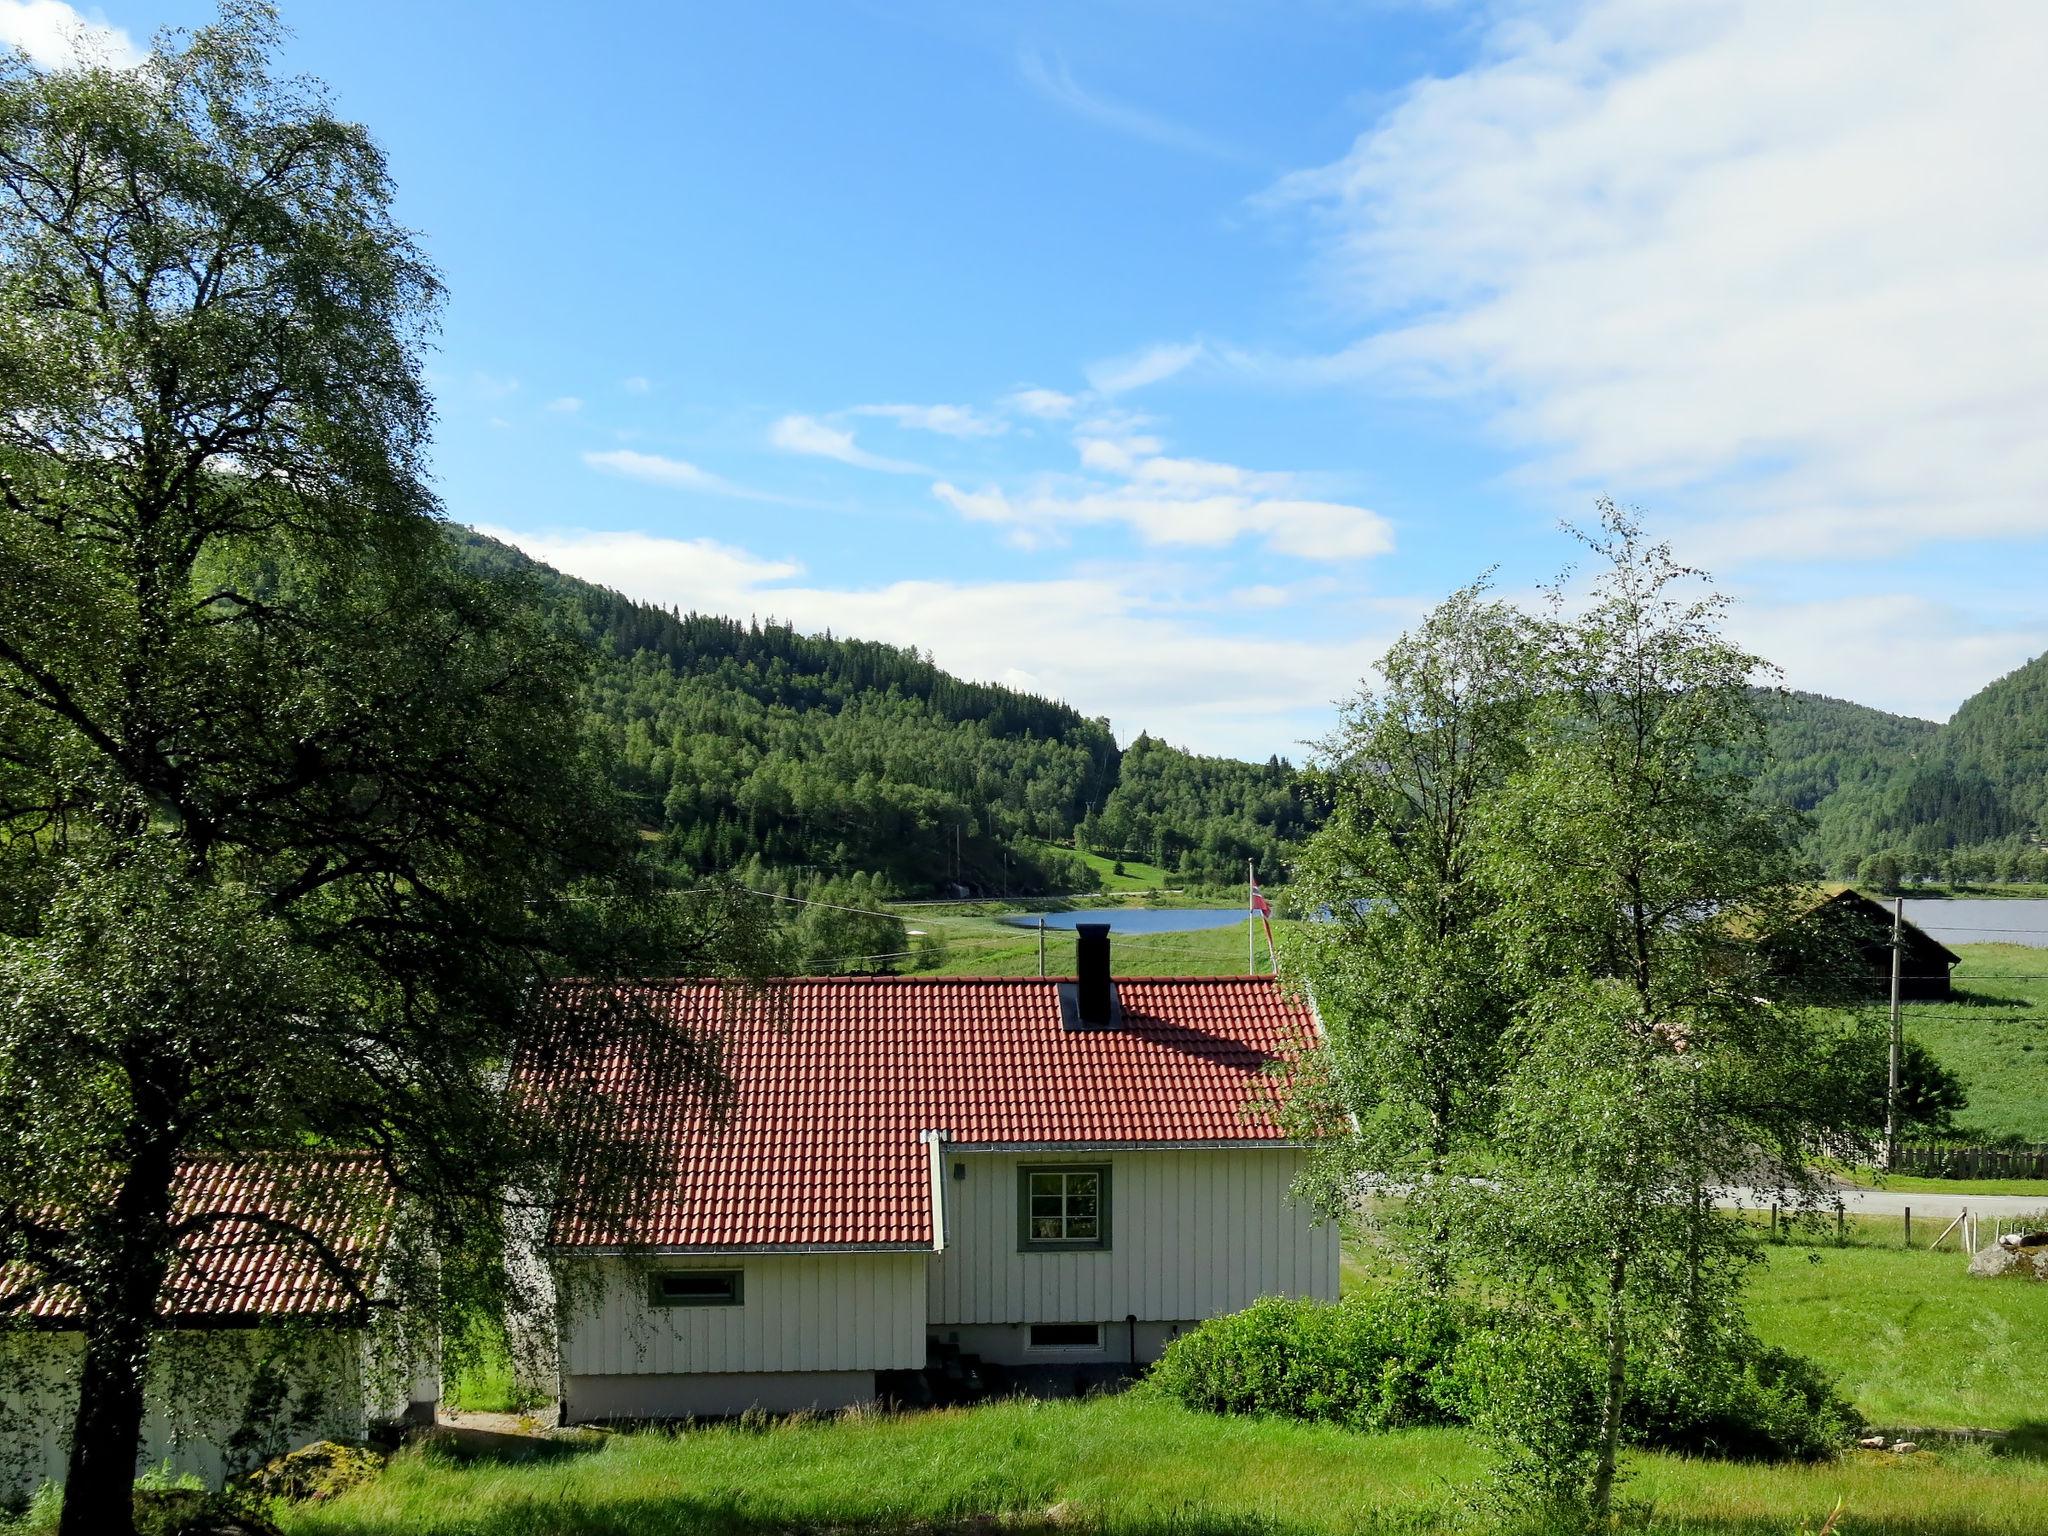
753 746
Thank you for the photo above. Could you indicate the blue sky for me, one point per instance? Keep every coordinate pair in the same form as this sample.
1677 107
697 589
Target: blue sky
1170 357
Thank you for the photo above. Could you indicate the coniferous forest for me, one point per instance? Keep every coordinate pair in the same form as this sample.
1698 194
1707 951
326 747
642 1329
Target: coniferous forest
805 761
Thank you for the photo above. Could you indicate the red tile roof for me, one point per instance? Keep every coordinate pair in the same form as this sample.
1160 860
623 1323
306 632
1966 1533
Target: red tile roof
233 1266
827 1083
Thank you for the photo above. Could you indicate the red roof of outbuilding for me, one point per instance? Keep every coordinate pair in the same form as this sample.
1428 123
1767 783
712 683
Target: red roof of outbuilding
828 1082
252 1248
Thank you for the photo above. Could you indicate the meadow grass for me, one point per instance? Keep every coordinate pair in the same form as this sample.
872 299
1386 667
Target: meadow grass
1121 1464
1913 1338
1993 1034
978 943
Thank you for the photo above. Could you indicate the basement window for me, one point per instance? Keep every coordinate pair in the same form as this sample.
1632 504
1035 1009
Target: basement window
1065 1336
1063 1208
695 1288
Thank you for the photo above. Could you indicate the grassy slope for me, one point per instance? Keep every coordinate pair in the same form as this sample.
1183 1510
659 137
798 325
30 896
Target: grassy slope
980 945
1913 1339
1119 1464
1994 1035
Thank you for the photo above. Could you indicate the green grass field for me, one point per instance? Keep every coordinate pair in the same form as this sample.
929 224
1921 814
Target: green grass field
1136 876
1912 1338
977 943
1123 1464
1993 1034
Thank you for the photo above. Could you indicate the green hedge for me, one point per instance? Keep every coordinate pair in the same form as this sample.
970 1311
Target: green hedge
1390 1360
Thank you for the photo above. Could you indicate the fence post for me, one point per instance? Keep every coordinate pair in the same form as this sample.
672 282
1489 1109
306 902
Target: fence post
1909 1226
1841 1226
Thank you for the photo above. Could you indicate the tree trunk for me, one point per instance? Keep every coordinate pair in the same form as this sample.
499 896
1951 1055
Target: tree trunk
106 1433
1617 1383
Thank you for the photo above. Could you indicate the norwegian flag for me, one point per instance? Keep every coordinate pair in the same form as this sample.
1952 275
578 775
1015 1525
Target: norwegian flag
1259 903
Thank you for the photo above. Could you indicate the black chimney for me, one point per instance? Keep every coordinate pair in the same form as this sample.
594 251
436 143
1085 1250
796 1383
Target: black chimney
1091 967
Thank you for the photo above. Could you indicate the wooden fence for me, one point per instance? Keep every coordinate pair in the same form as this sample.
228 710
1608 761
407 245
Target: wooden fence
1954 1160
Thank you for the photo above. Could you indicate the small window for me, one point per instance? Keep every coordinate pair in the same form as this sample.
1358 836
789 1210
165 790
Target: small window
1063 1208
695 1288
1066 1336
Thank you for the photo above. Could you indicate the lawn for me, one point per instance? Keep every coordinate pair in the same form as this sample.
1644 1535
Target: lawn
1136 876
978 943
1993 1034
1121 1464
1913 1339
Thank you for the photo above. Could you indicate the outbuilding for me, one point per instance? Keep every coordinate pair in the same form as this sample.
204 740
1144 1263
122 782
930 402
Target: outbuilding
261 1344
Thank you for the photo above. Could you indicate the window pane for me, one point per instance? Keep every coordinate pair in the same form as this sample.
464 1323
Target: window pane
1081 1229
1046 1205
1046 1229
1046 1184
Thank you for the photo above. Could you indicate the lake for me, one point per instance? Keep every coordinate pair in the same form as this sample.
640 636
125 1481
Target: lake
1143 919
1982 922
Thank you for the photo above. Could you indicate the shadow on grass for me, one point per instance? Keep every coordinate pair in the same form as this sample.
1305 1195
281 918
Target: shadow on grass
458 1445
1963 997
2026 1441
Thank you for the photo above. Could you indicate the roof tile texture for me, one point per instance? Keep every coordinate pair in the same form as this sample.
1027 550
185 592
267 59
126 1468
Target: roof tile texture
827 1083
231 1267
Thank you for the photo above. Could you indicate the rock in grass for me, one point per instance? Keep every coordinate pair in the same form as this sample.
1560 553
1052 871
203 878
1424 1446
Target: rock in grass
323 1470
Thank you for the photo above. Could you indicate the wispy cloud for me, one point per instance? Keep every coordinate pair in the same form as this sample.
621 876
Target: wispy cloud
493 386
638 384
946 420
57 36
1055 82
1174 502
672 474
1045 404
565 405
812 438
1136 370
1760 260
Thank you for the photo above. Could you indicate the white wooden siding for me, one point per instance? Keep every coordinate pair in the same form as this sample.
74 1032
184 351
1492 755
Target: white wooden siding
1193 1234
811 1312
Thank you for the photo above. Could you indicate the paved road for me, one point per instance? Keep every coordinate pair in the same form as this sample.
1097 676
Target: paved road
1925 1206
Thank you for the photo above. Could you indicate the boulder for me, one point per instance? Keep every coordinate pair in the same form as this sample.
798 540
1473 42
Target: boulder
2029 1262
323 1470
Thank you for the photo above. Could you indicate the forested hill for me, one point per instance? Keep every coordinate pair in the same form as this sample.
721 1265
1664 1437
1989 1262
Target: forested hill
1966 800
797 759
800 758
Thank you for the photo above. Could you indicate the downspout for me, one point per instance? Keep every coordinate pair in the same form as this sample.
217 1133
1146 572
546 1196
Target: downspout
935 1150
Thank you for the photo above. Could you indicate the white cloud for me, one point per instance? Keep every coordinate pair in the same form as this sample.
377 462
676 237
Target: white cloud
1045 404
813 438
1933 654
1053 80
946 420
1098 642
1153 365
565 405
1173 502
56 36
494 386
674 475
1786 255
636 385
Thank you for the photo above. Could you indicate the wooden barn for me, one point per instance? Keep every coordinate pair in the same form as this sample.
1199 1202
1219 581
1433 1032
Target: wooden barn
1865 928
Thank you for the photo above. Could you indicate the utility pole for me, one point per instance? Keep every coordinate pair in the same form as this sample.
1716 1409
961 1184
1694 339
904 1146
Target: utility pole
1891 1091
1041 949
1251 925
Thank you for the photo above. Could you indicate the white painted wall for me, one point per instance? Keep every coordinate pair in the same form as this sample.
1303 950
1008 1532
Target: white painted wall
804 1313
1193 1234
194 1405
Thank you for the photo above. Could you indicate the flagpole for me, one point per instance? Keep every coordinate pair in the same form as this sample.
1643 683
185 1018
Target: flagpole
1251 924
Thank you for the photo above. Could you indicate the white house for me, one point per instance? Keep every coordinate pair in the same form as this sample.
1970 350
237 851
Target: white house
259 1348
1032 1172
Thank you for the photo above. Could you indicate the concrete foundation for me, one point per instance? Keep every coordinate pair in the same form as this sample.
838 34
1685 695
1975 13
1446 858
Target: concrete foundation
710 1395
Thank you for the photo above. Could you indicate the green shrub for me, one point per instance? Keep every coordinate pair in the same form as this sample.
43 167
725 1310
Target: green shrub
1390 1359
1758 1403
1379 1361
